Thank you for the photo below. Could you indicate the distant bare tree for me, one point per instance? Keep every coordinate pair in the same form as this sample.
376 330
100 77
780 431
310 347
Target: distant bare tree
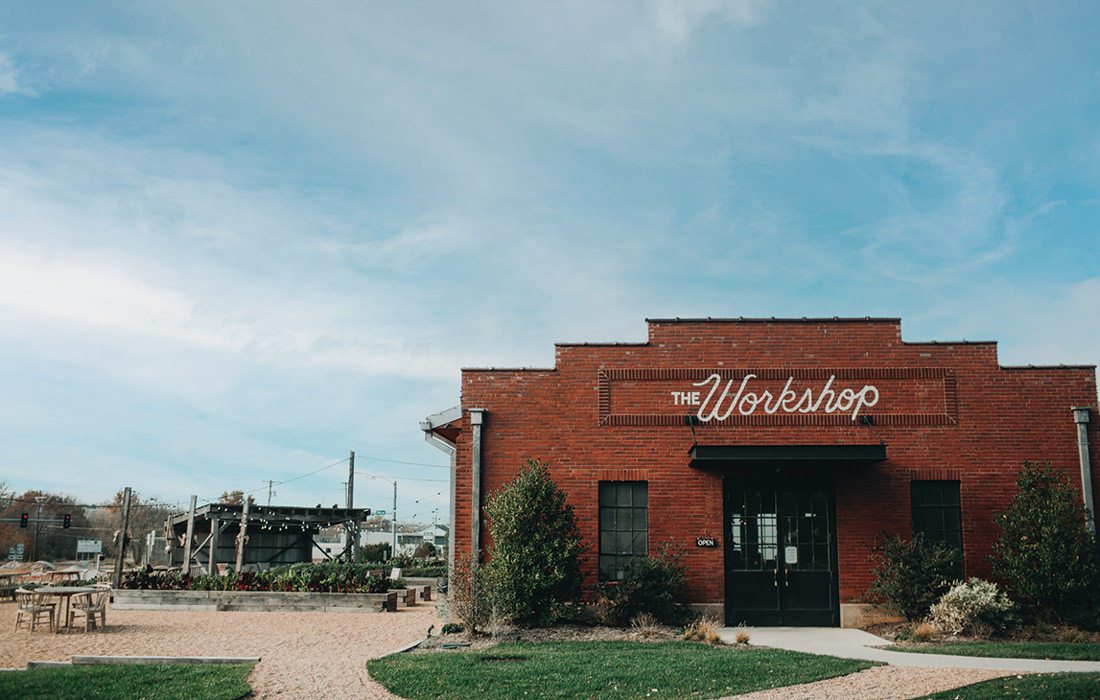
233 498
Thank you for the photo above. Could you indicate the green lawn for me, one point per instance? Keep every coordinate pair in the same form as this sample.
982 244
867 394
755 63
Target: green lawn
1044 686
126 682
607 670
1071 651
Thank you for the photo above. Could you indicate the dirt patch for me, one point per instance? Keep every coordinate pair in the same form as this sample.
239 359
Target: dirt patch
564 633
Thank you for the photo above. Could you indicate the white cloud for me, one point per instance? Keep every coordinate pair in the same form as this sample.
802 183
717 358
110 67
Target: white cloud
677 19
9 83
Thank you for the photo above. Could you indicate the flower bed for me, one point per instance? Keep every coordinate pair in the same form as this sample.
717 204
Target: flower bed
328 577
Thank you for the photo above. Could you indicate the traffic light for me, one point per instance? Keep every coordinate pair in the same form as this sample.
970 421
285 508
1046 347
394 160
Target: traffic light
66 520
24 519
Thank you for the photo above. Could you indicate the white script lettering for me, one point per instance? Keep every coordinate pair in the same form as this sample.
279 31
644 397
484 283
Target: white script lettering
719 406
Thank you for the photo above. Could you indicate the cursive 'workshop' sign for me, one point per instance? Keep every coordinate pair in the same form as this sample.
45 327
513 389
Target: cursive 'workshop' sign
778 396
722 400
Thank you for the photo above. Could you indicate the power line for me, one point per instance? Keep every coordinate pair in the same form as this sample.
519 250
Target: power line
315 471
403 478
398 461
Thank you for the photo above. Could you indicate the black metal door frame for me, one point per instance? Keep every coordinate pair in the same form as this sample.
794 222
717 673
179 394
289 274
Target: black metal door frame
750 587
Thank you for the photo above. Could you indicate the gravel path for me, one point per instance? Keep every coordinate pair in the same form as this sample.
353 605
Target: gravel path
880 683
303 655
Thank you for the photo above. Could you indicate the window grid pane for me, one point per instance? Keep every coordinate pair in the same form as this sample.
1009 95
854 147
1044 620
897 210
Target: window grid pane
624 521
937 512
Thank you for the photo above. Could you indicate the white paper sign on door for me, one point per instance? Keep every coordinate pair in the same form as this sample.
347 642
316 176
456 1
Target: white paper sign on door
790 554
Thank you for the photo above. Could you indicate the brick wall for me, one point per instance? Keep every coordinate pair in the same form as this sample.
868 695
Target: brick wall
947 411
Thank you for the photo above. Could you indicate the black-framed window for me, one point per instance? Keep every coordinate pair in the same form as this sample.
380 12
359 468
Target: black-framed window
624 526
937 512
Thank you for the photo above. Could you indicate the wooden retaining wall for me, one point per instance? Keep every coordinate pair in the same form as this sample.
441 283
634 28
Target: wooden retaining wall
255 601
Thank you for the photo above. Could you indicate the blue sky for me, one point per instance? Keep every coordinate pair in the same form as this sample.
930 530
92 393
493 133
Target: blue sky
238 240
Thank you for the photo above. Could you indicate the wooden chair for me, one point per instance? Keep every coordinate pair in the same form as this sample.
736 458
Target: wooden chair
90 605
32 607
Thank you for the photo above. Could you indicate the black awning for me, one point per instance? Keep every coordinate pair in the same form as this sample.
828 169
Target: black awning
768 455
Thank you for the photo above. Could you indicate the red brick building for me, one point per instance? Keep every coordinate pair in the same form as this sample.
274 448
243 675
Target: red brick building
774 451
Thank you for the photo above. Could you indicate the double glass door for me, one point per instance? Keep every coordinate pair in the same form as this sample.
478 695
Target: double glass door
780 555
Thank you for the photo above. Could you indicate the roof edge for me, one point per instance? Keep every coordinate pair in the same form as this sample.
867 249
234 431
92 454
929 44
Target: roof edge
949 342
608 344
509 369
777 319
1026 367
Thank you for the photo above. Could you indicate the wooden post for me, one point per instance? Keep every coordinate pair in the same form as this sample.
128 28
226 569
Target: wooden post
241 536
215 535
353 526
117 579
170 539
190 536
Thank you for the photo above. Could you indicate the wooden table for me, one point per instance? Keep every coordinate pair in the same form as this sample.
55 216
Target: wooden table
65 593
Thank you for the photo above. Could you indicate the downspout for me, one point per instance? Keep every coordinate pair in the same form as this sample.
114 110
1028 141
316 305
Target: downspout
477 417
1081 418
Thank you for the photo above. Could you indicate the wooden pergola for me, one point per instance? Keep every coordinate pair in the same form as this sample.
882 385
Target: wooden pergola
254 537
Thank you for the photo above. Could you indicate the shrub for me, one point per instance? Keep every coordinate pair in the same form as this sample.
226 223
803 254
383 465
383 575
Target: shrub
645 624
975 606
654 585
424 550
470 595
925 632
424 567
1045 554
742 634
912 575
704 629
374 553
535 565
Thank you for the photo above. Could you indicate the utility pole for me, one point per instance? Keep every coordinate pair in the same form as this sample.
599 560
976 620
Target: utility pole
117 580
270 483
353 526
393 522
39 500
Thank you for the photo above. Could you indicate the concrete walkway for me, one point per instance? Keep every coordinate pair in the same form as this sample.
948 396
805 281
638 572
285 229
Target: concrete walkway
857 644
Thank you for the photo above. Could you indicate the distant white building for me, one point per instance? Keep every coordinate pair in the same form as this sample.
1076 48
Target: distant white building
332 544
407 542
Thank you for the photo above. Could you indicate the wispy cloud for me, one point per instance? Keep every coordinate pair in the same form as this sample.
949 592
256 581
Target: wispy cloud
677 19
9 78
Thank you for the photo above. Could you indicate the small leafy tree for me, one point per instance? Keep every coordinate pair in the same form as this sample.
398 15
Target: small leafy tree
911 575
1046 555
535 565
